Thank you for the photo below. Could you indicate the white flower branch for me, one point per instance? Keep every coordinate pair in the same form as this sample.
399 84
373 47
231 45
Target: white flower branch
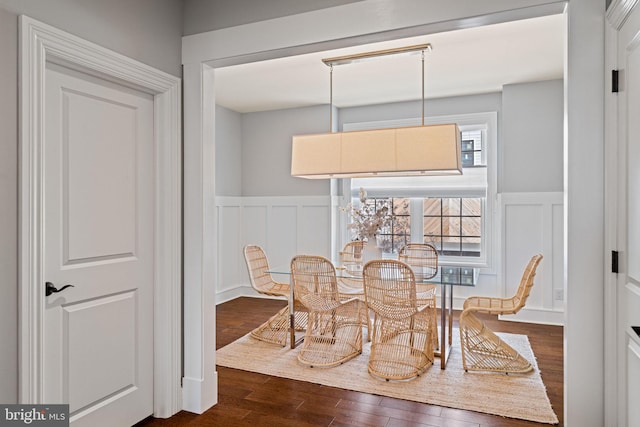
369 219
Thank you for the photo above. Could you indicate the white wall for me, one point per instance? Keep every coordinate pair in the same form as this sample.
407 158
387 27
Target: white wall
8 208
531 140
584 219
209 15
146 30
228 152
266 151
433 107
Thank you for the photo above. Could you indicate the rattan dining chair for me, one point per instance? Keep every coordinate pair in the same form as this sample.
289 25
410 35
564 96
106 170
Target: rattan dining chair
422 257
401 342
351 286
423 260
334 330
352 252
482 349
275 330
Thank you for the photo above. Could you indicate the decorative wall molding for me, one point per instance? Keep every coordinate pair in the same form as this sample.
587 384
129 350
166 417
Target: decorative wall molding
243 220
532 223
283 225
40 44
618 12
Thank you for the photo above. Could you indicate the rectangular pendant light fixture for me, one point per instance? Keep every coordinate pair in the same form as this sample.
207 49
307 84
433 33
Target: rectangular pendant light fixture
419 151
408 151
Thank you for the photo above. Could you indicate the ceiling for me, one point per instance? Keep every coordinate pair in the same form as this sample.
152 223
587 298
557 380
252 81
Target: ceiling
462 62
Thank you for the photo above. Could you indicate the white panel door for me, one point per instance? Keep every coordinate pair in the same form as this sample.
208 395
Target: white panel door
99 223
629 218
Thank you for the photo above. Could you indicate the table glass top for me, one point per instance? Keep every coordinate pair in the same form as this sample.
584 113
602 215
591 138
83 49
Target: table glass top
447 275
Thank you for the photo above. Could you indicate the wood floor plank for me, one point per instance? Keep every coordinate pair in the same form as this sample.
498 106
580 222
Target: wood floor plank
407 405
251 399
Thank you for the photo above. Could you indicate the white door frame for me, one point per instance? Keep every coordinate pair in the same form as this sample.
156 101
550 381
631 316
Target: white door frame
615 390
331 28
39 44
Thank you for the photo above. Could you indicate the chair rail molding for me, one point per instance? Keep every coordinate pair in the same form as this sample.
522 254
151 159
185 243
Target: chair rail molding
40 44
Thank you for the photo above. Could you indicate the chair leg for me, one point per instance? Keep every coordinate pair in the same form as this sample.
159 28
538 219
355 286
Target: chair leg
434 325
401 349
483 350
366 319
275 329
332 337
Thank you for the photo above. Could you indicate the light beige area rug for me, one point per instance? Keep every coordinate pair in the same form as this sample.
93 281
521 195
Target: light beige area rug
520 396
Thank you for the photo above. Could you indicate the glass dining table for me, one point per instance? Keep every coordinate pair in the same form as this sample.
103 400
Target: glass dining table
446 278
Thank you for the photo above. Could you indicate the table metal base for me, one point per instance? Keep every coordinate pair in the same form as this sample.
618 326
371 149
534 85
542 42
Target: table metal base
446 327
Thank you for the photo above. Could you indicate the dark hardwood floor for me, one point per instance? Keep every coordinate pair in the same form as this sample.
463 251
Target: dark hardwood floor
250 399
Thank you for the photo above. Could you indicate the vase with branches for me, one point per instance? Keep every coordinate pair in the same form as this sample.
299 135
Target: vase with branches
368 220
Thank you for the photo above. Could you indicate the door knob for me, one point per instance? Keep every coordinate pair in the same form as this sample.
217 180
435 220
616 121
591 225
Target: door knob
50 288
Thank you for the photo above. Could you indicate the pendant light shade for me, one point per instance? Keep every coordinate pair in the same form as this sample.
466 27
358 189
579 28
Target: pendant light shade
407 151
419 150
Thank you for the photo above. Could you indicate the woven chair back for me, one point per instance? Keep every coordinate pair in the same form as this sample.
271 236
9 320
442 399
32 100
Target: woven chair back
314 281
258 267
390 288
422 257
352 252
526 282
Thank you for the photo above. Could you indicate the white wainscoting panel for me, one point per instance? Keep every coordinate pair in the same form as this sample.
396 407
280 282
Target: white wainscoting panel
254 222
282 233
283 226
228 261
314 229
532 223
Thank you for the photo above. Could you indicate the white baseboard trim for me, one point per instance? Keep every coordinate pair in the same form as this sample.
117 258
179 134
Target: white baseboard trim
237 292
199 394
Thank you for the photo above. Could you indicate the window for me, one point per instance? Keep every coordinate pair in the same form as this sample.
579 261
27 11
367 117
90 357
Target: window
454 213
453 225
472 152
398 233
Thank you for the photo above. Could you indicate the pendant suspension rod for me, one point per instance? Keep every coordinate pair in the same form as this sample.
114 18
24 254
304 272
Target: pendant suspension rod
423 88
348 59
331 98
